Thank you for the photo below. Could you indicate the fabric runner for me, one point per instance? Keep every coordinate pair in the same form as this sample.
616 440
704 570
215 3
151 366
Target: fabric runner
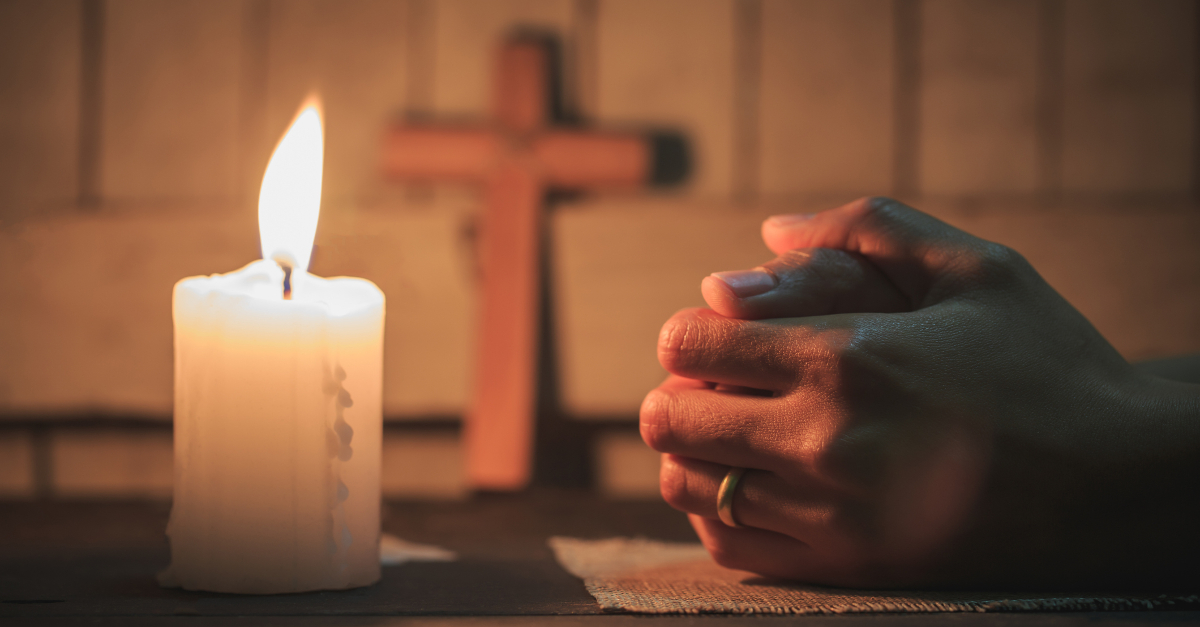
648 576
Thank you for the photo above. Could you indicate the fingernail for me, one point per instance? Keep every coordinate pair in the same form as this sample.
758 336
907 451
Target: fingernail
747 283
790 219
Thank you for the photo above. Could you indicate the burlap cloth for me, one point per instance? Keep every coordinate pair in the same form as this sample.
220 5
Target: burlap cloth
647 576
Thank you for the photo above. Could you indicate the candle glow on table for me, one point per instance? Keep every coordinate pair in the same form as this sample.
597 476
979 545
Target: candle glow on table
278 407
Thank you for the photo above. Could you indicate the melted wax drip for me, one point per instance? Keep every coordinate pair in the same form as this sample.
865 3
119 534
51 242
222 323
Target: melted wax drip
338 440
342 433
287 281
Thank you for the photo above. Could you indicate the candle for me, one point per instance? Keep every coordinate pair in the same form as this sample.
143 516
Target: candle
278 410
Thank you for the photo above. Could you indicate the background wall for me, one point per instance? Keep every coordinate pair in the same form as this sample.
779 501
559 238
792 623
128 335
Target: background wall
134 134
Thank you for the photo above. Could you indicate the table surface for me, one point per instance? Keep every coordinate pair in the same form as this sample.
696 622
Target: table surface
64 563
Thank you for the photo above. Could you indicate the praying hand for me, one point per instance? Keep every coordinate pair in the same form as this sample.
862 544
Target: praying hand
913 406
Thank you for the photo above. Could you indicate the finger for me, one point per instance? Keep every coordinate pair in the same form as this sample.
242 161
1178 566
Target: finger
911 248
702 344
762 499
758 551
728 428
803 282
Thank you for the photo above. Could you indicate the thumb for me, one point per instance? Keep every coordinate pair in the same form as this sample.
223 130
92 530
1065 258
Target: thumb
803 282
918 253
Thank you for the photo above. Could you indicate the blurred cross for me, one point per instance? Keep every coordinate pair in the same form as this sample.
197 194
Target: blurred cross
526 149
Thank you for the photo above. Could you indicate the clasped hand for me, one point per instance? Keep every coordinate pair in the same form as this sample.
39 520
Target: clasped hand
917 407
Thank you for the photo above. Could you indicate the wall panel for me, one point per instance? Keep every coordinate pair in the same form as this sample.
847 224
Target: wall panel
979 96
170 99
1130 108
827 97
39 105
467 35
671 63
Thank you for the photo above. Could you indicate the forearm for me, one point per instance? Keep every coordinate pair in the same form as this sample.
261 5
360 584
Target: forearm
1138 529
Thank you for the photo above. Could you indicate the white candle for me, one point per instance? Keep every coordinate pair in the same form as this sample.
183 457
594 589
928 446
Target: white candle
278 410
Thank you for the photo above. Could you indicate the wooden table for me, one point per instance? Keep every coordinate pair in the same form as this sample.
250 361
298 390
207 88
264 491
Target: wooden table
65 563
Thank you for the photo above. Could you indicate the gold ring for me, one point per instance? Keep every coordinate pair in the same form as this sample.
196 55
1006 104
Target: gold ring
725 494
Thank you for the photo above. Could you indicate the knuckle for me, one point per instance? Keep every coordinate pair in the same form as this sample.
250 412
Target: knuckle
819 452
875 203
655 419
872 349
881 208
1001 260
988 264
850 377
678 341
856 357
691 340
870 370
831 348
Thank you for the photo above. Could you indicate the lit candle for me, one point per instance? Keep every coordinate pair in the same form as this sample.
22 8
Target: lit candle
278 411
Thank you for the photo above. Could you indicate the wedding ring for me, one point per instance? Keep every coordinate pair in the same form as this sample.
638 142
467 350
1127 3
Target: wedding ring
725 493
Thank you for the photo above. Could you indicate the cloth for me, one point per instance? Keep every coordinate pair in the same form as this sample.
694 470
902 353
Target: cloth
393 551
647 576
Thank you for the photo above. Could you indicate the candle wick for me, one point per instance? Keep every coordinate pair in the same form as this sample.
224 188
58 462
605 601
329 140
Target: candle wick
287 281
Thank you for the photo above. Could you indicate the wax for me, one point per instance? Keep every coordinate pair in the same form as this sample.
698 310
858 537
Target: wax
278 428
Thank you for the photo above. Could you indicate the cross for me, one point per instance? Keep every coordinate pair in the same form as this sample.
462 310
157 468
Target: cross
521 153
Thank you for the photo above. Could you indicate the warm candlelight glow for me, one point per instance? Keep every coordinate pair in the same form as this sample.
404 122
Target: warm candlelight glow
290 199
278 406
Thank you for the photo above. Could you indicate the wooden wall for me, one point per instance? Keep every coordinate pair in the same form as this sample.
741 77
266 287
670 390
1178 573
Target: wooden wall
135 132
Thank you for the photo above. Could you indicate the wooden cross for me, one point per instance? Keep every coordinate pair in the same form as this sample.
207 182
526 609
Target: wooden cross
517 156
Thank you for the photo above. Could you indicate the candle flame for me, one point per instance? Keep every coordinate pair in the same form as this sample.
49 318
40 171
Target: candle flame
290 200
